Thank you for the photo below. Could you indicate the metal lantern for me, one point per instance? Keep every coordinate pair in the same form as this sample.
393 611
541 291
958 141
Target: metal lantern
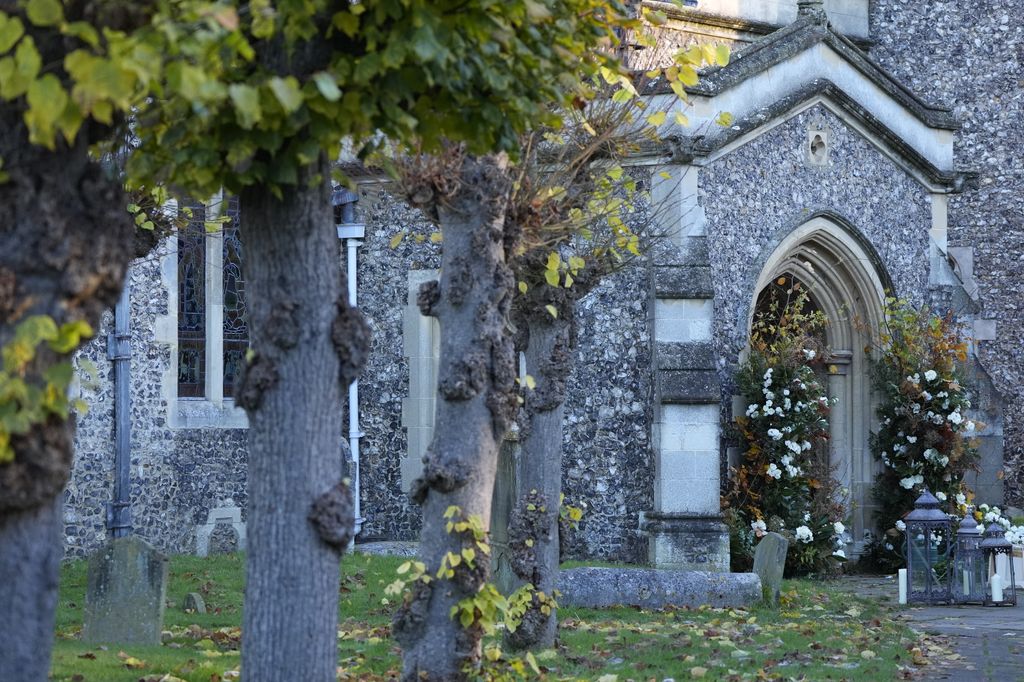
970 572
997 554
927 551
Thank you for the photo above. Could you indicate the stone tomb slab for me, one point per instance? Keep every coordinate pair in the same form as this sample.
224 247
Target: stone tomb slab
651 588
769 565
125 593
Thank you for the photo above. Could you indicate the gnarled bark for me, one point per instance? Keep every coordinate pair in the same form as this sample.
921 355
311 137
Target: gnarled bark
533 531
65 244
299 512
477 402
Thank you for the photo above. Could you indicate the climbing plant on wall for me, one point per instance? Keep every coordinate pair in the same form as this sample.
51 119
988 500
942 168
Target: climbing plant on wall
784 483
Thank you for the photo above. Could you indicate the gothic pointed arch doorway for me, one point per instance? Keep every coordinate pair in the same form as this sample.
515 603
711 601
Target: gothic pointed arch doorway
846 281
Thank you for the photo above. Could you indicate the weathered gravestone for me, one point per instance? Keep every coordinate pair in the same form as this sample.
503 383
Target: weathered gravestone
194 602
124 599
769 563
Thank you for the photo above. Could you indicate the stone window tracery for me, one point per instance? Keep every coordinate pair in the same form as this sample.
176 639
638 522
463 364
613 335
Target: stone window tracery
212 327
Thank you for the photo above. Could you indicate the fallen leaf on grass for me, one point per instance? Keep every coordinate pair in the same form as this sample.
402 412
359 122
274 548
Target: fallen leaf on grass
698 671
868 654
130 661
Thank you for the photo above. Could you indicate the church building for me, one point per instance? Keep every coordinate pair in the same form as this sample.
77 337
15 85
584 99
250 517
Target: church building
875 148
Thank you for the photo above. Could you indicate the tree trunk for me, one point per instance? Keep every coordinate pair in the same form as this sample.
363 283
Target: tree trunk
29 564
533 530
476 386
306 346
65 243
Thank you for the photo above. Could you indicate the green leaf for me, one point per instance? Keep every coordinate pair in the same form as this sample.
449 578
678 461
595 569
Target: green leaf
11 30
287 92
327 86
551 277
533 663
44 12
722 55
84 31
657 118
425 45
59 374
70 336
247 104
46 102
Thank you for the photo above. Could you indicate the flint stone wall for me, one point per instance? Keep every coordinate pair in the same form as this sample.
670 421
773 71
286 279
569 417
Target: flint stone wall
971 56
178 475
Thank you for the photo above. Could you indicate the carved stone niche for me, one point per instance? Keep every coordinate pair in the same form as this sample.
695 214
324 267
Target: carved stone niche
819 144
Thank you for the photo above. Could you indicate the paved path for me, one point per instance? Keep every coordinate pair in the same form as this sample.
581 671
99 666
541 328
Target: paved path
989 640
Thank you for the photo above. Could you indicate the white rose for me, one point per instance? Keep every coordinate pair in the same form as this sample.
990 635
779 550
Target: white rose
930 375
900 526
804 534
907 483
839 527
774 471
941 496
774 434
961 499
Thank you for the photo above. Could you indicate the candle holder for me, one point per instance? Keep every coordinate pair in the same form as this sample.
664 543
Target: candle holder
969 567
997 552
928 552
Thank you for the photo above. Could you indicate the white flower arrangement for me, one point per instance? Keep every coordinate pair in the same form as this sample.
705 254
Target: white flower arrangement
804 534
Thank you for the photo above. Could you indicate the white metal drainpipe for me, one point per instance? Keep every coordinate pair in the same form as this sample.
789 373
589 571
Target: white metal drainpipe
354 432
352 232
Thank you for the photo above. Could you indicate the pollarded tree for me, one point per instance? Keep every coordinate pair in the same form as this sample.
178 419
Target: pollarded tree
258 101
492 213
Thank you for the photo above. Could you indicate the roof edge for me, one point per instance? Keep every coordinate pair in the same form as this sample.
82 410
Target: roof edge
806 32
688 149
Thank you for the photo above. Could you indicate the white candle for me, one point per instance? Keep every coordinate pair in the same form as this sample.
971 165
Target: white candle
997 587
903 585
967 584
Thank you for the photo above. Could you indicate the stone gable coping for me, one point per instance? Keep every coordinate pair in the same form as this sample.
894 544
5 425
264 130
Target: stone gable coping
809 30
690 148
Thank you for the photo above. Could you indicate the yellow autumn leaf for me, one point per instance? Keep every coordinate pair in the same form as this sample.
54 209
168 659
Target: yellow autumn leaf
396 240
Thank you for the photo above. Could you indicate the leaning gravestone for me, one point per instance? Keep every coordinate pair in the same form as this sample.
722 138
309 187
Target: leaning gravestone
769 563
124 599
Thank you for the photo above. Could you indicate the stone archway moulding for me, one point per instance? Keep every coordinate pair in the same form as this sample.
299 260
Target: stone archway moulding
848 282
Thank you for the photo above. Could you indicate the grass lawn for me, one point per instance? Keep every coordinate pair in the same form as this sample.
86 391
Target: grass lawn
817 634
